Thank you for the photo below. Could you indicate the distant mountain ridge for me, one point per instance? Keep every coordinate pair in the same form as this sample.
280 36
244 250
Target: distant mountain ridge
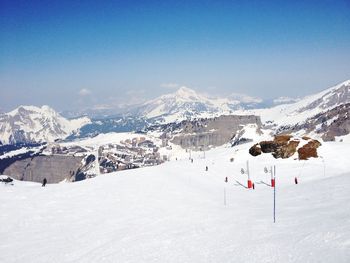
34 124
306 115
187 103
307 107
324 114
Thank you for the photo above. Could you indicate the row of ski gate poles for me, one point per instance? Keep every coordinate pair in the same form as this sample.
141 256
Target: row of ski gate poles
250 184
272 171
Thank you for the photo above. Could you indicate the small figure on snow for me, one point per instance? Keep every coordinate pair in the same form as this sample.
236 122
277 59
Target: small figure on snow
296 180
44 182
6 180
206 168
226 179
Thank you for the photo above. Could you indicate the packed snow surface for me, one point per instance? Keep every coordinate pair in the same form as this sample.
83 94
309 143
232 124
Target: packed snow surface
178 212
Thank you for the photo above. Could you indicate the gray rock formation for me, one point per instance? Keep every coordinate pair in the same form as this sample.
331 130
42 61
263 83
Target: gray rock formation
334 122
211 132
55 168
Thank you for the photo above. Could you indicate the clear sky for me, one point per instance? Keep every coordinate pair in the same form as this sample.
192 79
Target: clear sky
70 55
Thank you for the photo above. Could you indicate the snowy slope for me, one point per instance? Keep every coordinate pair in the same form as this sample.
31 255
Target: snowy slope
300 111
34 124
176 213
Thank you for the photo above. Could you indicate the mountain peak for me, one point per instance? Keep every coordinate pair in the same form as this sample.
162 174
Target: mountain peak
185 92
185 89
345 83
36 124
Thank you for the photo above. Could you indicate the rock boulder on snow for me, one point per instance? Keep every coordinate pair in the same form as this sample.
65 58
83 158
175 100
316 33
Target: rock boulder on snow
285 146
309 150
255 150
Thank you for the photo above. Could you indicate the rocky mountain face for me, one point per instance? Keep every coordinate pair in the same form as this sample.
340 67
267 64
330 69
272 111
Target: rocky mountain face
206 132
28 124
329 98
327 125
54 168
324 115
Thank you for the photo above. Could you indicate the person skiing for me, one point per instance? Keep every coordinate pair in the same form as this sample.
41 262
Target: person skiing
206 168
44 182
226 179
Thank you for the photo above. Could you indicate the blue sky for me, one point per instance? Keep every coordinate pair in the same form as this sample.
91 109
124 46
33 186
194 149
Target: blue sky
73 55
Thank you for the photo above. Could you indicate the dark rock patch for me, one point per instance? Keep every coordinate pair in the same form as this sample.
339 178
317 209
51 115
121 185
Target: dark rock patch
309 150
284 146
255 150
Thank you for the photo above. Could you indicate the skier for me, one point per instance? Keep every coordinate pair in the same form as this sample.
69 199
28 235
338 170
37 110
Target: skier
6 180
296 180
44 182
206 168
226 179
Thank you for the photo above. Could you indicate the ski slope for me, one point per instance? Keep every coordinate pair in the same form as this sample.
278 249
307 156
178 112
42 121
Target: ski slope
177 212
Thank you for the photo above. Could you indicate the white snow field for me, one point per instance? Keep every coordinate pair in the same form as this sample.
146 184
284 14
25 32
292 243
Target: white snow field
176 212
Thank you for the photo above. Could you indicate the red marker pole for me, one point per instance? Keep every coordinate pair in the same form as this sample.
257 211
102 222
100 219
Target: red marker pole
274 195
272 178
250 185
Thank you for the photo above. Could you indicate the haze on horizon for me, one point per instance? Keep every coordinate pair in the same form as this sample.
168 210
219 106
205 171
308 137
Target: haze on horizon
73 55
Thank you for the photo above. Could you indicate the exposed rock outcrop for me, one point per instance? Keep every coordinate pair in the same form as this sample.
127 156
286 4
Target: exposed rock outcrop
309 150
55 168
329 124
255 150
209 132
286 150
284 146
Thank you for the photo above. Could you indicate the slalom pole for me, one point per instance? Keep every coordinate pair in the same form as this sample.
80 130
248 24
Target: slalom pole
272 178
249 181
274 195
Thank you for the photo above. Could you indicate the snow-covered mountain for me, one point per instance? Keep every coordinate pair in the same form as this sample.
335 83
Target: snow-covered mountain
187 103
304 115
34 124
300 111
307 115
